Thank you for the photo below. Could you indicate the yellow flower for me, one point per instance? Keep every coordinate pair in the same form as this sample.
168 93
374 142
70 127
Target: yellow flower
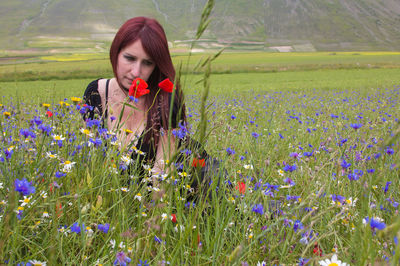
46 105
128 131
86 132
6 114
58 137
75 100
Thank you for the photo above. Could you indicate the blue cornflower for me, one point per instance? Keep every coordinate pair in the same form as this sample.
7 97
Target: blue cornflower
230 151
303 261
104 227
294 198
93 122
143 263
19 214
386 188
181 132
297 225
121 259
289 168
24 187
76 228
294 155
27 133
355 175
96 142
60 174
338 198
186 151
394 203
157 239
289 181
8 153
134 99
190 204
356 125
255 134
308 154
377 155
258 208
389 151
345 164
36 120
45 129
233 117
375 223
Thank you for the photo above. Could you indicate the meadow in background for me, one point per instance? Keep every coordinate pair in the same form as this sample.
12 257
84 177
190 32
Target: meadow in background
309 141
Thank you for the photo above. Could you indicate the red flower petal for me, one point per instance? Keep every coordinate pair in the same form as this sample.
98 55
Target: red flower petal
166 85
241 186
138 88
198 162
49 114
173 218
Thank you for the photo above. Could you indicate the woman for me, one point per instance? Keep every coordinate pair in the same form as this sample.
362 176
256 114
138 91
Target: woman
139 51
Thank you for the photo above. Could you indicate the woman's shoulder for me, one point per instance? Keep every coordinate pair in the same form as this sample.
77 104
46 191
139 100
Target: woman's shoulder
95 86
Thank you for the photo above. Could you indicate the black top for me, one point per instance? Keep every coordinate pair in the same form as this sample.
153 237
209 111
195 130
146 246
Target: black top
92 98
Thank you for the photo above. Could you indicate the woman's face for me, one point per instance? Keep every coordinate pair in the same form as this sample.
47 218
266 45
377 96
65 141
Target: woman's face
133 62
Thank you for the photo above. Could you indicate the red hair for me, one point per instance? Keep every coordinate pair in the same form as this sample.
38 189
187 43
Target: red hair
155 44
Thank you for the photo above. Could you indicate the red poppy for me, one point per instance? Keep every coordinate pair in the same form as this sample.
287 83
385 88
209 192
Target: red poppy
138 88
241 186
198 162
166 85
173 218
59 211
49 114
317 251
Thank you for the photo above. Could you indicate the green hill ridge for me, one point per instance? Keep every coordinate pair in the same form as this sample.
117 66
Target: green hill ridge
299 25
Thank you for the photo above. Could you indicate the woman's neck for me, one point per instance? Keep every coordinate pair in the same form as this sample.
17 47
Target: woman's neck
123 94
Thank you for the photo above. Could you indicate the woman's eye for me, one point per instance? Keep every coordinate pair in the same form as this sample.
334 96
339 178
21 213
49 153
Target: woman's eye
148 63
130 58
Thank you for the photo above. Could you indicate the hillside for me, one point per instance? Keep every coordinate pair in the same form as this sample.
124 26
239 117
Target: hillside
247 24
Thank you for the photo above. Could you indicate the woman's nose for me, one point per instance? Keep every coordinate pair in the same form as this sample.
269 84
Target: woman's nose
135 69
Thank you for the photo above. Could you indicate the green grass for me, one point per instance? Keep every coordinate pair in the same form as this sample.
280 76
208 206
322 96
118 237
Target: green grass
230 231
227 63
240 83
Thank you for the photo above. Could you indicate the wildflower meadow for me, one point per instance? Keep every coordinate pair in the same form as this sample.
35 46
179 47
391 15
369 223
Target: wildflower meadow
307 174
311 176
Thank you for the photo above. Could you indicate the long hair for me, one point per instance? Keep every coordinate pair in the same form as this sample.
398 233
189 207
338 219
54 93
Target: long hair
155 44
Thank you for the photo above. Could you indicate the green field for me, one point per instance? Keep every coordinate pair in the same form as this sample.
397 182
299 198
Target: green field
231 71
310 145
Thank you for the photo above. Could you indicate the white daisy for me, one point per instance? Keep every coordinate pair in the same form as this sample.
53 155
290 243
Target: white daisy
332 262
248 166
138 196
58 137
67 166
38 263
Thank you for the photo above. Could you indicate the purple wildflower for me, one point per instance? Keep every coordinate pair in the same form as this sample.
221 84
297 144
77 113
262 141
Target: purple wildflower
24 187
289 168
230 151
104 227
258 208
121 259
345 164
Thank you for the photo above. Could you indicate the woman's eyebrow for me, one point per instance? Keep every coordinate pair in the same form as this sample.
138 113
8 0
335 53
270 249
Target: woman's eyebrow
131 55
